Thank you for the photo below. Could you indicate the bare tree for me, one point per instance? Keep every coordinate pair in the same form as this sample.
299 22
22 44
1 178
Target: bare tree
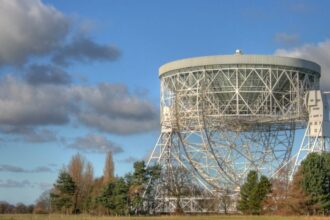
89 174
82 173
226 200
109 169
88 179
178 184
43 203
76 168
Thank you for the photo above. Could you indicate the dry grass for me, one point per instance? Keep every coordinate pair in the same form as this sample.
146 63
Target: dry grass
88 217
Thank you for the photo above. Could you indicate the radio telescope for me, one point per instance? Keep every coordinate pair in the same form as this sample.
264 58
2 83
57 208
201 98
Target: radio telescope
222 116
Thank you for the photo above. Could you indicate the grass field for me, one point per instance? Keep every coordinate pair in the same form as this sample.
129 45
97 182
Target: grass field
87 217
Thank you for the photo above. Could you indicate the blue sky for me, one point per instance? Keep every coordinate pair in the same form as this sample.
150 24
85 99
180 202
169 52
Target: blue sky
82 76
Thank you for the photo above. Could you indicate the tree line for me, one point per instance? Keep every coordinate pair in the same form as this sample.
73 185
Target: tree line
19 208
77 191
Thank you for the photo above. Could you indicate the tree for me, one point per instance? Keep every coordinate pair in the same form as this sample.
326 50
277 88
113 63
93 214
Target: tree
5 207
109 169
226 200
315 181
137 182
141 186
88 179
21 208
263 189
43 203
149 187
297 200
309 191
114 197
253 192
120 193
94 205
248 188
277 201
82 174
63 194
177 182
76 171
106 198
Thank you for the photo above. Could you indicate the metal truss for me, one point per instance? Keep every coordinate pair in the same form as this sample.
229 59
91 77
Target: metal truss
219 122
201 204
309 144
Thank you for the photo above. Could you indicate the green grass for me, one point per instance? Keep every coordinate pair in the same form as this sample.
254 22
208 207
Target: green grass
88 217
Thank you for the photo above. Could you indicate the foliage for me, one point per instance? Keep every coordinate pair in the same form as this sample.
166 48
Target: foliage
19 208
109 168
297 201
177 183
114 197
76 189
277 201
83 176
141 185
253 192
315 171
308 192
121 196
173 217
62 196
106 198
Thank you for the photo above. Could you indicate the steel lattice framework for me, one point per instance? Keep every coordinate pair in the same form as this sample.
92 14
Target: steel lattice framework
222 116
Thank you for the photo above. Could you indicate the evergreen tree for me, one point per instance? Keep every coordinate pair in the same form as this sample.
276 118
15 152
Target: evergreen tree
62 196
137 182
326 198
120 193
263 189
253 192
248 190
106 198
141 186
315 182
114 197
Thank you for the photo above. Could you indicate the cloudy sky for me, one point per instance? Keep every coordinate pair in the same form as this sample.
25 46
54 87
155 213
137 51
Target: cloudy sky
77 76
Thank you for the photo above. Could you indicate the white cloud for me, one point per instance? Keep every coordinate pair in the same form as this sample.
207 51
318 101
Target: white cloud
107 107
24 104
46 74
84 49
319 53
93 143
10 183
31 28
129 159
16 169
286 38
27 28
112 108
